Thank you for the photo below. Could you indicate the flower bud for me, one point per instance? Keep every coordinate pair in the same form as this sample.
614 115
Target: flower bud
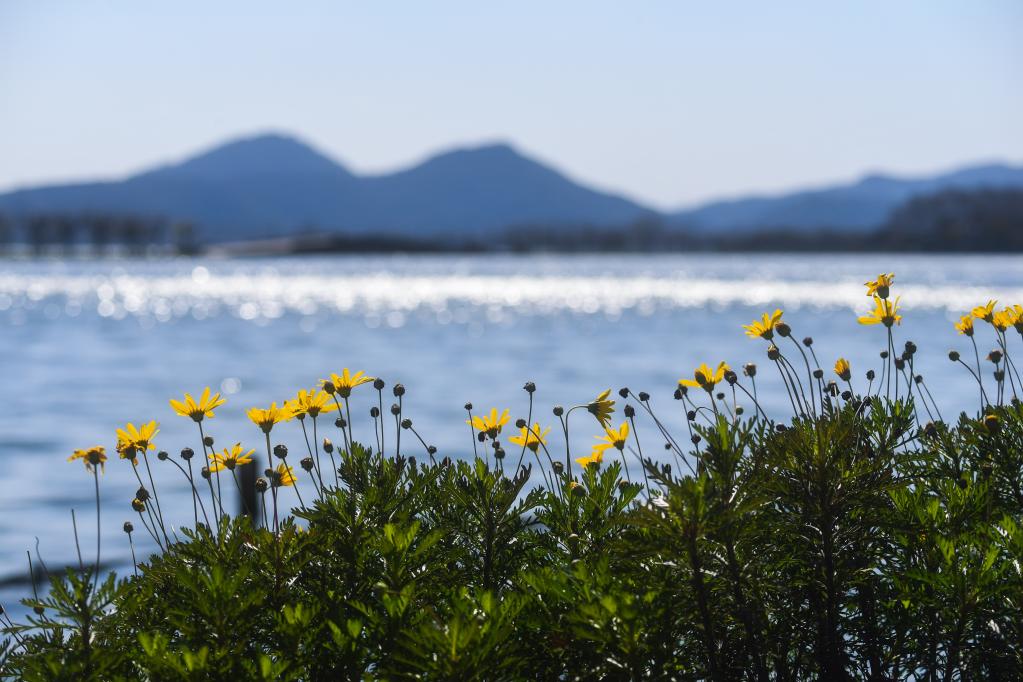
499 453
691 415
378 384
520 423
630 411
306 463
623 392
870 375
398 390
142 494
739 410
993 424
208 441
558 468
340 422
205 473
749 369
643 396
900 364
162 455
433 451
395 409
329 388
678 395
783 329
138 505
953 355
281 450
481 436
529 387
818 373
374 412
772 352
468 406
261 485
731 377
846 395
328 446
696 439
187 454
808 341
995 356
720 395
884 355
558 411
406 423
128 528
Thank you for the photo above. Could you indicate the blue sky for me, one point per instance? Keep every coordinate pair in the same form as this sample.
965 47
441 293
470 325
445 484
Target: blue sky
669 102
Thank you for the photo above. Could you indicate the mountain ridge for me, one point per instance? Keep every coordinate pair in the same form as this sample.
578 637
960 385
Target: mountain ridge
275 184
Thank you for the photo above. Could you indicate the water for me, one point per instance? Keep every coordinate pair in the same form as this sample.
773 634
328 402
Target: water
88 346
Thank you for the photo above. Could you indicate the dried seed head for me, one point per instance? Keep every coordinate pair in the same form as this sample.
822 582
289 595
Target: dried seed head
187 454
529 387
162 455
398 390
261 485
128 528
378 384
374 412
468 406
208 441
558 411
328 446
281 450
953 355
629 411
306 463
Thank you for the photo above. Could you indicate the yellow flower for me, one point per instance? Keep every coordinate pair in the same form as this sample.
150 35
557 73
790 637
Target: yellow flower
843 370
125 450
705 377
1003 320
765 328
283 476
312 403
344 383
596 458
985 312
489 424
140 439
265 419
93 457
879 287
965 325
613 437
1017 317
229 460
601 408
885 312
531 438
198 410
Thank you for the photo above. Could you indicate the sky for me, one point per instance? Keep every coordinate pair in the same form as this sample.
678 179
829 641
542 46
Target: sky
670 103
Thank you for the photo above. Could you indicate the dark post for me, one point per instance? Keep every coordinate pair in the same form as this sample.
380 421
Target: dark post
249 500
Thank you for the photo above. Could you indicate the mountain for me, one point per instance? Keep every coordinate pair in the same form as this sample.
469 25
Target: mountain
273 185
858 207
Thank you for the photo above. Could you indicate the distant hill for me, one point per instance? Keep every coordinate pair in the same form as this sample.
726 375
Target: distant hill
860 207
274 185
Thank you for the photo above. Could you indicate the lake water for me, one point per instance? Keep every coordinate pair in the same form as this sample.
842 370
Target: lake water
88 346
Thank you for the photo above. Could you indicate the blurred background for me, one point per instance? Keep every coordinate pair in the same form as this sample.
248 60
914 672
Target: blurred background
463 197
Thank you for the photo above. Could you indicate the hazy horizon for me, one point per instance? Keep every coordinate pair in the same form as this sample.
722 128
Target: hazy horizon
670 105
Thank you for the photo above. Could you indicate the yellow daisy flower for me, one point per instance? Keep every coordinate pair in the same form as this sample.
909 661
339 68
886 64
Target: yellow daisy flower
283 476
141 438
885 312
265 419
705 377
198 410
880 286
489 424
312 403
230 459
602 408
596 458
1003 319
344 383
965 325
985 312
764 329
613 438
531 438
843 370
96 456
